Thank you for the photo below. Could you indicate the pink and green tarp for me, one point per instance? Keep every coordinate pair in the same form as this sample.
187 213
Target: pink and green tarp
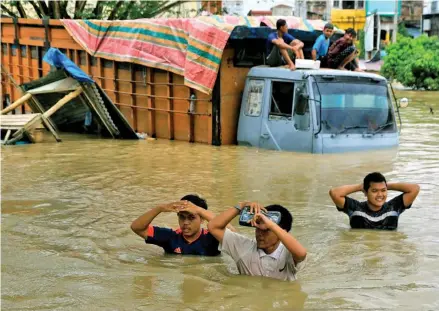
191 47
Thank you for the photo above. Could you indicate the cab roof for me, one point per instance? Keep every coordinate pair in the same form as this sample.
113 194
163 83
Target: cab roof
299 74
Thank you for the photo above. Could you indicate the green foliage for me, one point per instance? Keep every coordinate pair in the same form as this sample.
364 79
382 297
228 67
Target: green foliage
361 36
111 10
413 62
402 31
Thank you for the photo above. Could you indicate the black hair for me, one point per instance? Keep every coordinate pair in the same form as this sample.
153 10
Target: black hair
280 23
351 31
373 177
328 26
195 199
286 219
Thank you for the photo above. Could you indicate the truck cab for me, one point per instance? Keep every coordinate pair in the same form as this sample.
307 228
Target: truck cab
316 111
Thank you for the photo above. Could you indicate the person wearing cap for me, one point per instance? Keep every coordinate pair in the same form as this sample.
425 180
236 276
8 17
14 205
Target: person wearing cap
320 47
274 253
282 48
190 238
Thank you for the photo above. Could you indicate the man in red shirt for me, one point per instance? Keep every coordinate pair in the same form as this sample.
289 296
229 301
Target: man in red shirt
342 53
190 238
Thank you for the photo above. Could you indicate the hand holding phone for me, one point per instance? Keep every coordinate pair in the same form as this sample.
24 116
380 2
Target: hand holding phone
245 219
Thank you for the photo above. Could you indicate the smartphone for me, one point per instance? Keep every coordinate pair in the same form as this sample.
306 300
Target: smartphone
246 216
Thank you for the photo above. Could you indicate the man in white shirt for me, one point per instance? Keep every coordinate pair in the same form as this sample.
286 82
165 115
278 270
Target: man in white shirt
275 253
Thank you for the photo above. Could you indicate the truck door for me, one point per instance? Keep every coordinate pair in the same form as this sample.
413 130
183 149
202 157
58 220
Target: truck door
250 116
286 124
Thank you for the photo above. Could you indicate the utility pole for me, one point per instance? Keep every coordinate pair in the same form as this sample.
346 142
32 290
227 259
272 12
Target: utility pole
395 22
328 10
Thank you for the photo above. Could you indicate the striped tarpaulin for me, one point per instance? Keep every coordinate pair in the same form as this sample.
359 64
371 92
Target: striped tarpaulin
191 47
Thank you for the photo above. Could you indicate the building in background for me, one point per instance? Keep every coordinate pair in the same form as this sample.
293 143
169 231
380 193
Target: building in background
318 10
283 9
430 17
348 14
235 7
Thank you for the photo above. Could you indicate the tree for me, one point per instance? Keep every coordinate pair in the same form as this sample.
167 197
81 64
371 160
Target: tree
107 10
413 62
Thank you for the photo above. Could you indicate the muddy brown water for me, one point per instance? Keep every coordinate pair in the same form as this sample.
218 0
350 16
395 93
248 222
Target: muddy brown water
67 208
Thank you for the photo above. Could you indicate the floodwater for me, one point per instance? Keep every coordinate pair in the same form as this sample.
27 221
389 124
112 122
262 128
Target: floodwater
67 209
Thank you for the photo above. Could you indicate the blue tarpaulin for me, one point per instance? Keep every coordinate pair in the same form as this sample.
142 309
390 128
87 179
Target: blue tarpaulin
54 57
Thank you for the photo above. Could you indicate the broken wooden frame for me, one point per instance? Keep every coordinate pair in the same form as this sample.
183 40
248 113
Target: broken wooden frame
86 97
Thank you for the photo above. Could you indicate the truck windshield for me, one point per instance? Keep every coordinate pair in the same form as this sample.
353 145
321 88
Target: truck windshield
354 107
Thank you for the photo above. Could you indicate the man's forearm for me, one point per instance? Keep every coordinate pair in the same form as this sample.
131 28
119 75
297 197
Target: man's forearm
346 190
294 246
314 55
222 220
283 45
403 187
205 214
141 223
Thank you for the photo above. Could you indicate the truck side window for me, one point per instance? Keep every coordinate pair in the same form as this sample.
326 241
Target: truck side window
301 114
254 98
281 98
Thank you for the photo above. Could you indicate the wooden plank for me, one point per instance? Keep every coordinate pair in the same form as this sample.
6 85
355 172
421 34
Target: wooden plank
63 101
17 120
170 107
8 133
181 121
133 101
151 100
17 103
11 87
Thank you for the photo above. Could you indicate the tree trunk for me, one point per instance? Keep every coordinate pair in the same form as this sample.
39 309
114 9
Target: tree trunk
21 9
116 10
63 9
10 13
79 8
37 8
165 7
43 7
97 12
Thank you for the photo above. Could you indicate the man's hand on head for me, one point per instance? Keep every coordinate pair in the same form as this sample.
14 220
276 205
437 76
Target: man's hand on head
170 207
186 206
262 222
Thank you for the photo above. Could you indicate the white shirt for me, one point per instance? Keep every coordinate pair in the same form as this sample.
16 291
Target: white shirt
253 261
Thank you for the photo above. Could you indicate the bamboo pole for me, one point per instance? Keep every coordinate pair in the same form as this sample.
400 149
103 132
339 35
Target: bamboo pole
17 103
63 101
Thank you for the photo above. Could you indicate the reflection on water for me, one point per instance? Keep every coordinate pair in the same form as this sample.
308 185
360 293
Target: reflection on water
66 209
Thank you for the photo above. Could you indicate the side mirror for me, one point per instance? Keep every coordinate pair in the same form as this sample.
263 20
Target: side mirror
403 102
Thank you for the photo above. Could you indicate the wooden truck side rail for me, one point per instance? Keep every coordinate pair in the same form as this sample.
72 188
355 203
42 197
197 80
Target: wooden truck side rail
154 101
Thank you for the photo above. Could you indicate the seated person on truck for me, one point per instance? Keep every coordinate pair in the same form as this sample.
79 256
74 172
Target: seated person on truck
342 54
375 212
282 48
321 46
190 238
275 253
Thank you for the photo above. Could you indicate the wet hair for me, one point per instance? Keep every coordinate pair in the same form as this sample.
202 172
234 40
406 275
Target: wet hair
195 199
286 219
280 23
328 26
373 177
351 31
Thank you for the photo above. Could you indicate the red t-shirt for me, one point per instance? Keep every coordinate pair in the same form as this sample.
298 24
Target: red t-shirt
339 45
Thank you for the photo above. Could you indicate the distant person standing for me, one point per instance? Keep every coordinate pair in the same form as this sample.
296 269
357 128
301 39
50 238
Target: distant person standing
321 46
282 48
